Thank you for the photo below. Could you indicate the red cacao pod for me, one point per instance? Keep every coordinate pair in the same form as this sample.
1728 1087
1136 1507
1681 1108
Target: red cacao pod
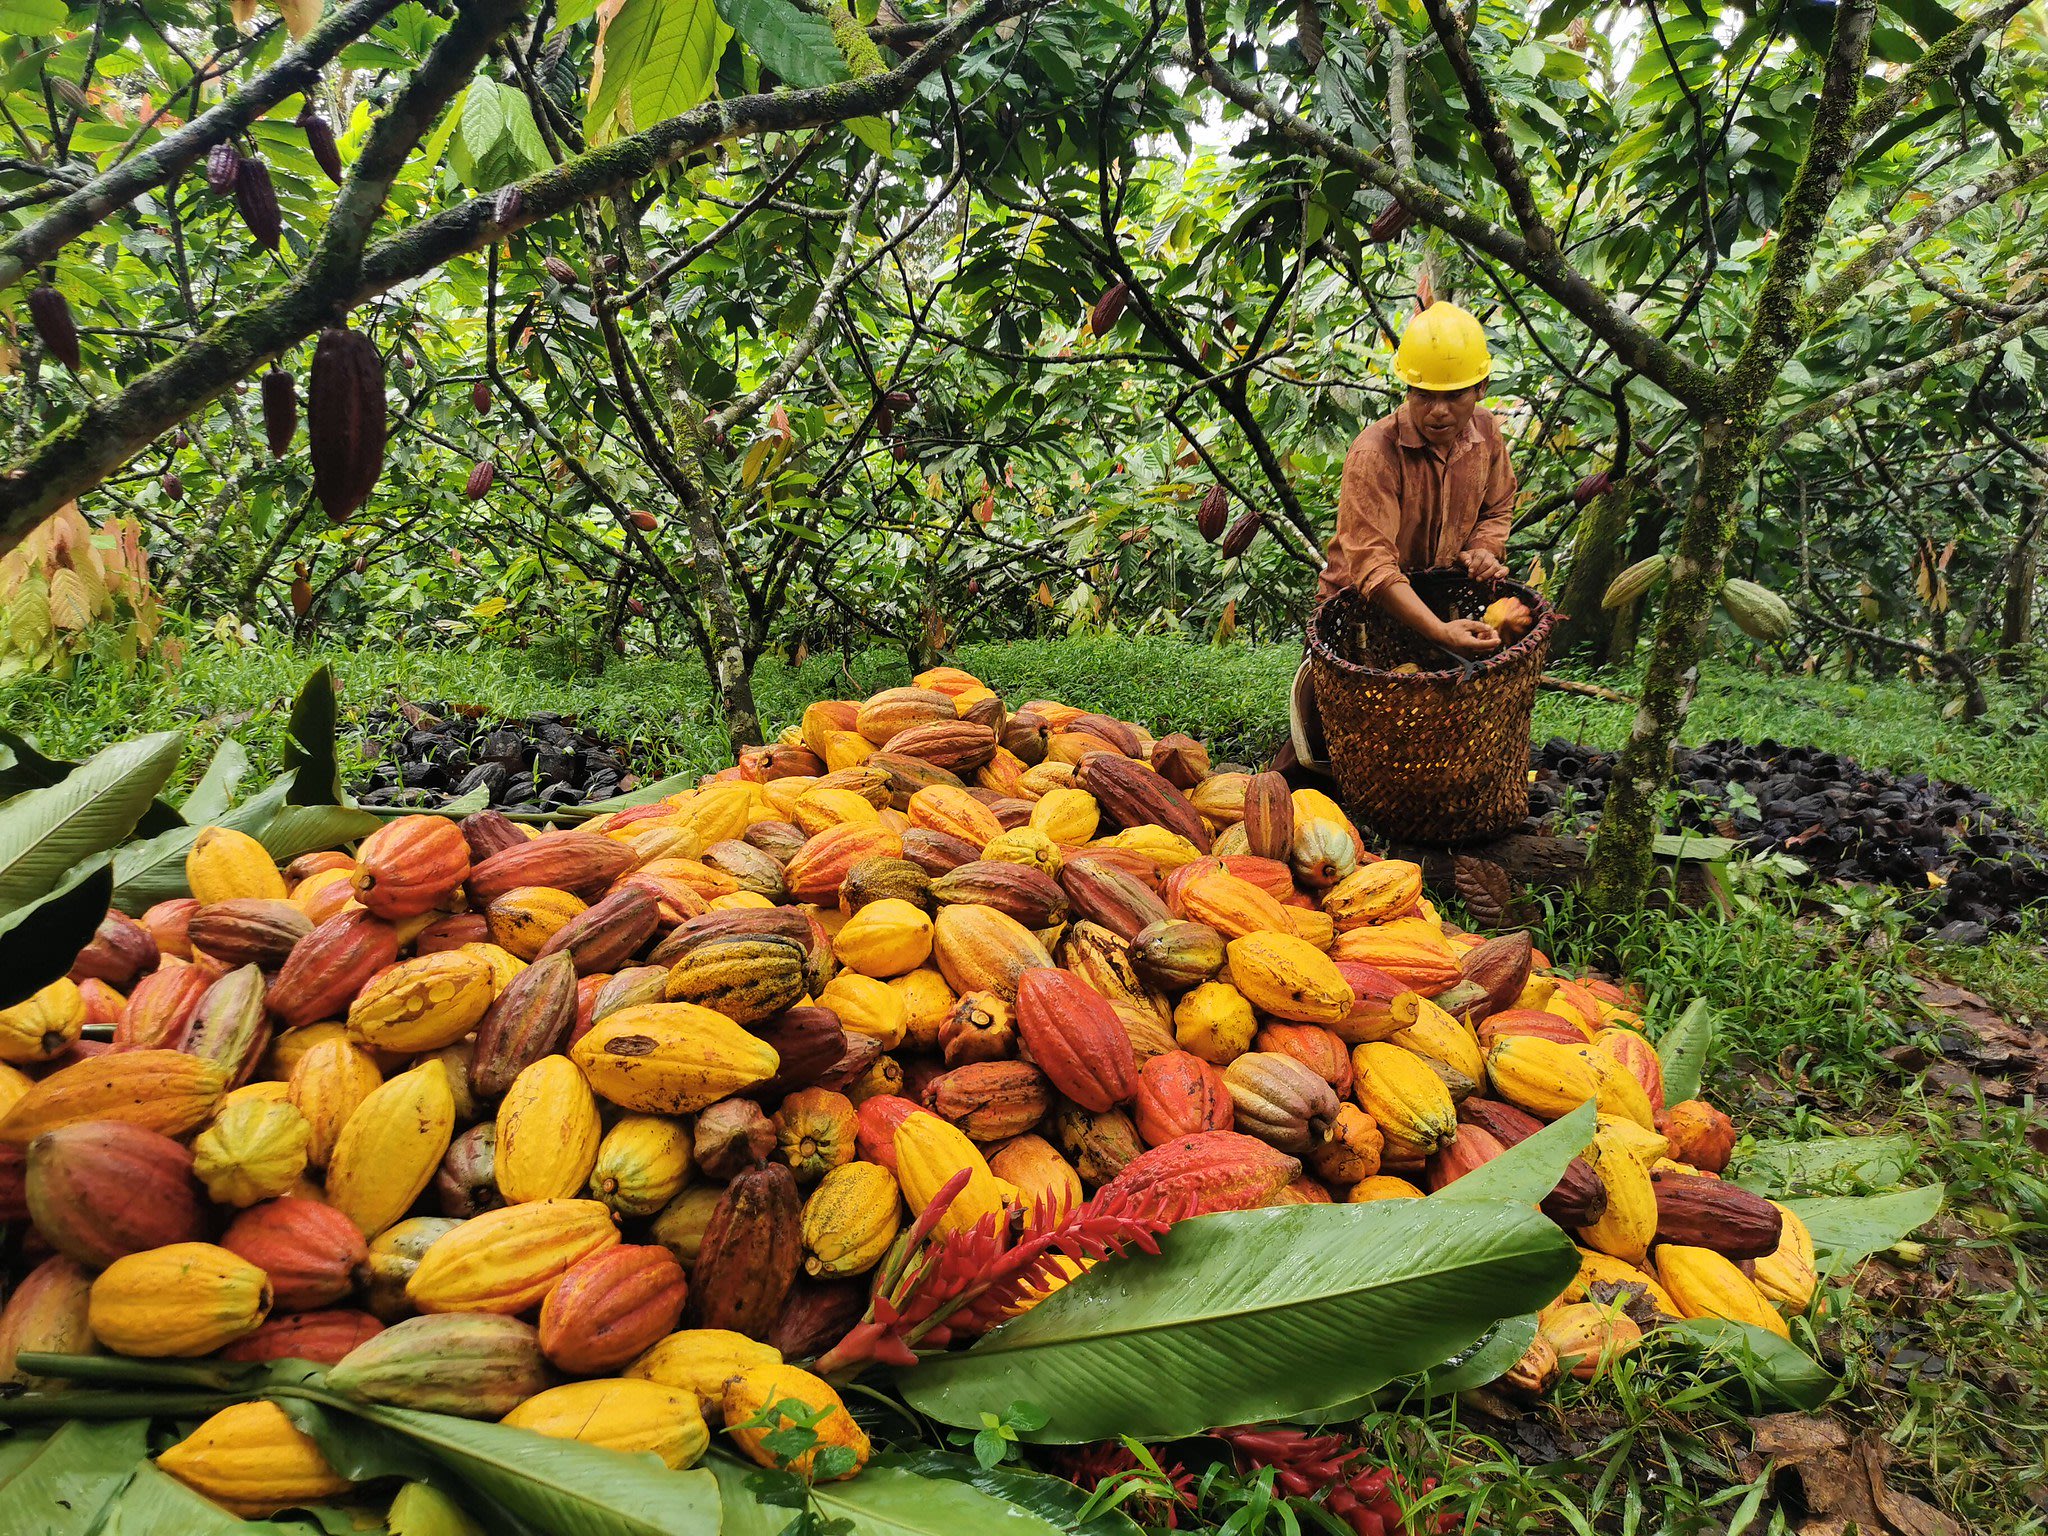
308 1248
1075 1037
611 1308
99 1189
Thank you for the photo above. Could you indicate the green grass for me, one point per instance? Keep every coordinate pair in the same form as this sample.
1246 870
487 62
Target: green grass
1809 1008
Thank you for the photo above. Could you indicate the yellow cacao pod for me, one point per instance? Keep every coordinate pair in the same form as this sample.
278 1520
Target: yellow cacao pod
1288 978
1629 1224
629 1414
979 949
1027 846
1588 1337
671 1058
1787 1277
943 808
827 805
754 1392
1596 1268
718 813
44 1024
1215 1022
252 1460
927 1000
1406 1099
548 1133
1374 893
1617 1089
224 865
508 1260
701 1361
1545 1078
1705 1284
390 1147
1041 779
1438 1036
422 1004
642 1164
1233 906
928 1153
255 1149
680 1225
850 1220
1067 816
1648 1146
503 963
527 916
327 1084
1381 1186
883 939
866 1006
181 1299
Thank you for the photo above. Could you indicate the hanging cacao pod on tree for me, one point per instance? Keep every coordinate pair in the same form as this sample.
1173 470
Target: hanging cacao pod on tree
345 420
1393 222
222 163
320 141
302 589
50 313
560 271
646 522
256 201
505 205
480 478
1214 515
1241 534
480 394
173 485
280 411
1109 308
1596 484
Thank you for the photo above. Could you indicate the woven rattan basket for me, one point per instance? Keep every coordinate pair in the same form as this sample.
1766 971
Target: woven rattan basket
1437 756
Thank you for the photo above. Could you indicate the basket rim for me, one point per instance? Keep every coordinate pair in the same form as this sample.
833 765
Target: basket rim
1508 655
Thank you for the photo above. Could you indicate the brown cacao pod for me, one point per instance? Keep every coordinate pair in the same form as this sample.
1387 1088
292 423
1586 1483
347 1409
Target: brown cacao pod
280 396
1109 308
817 1316
1280 1101
222 162
1132 796
751 1252
1022 891
1174 955
1214 514
937 852
957 746
1242 532
478 485
466 1183
1024 734
489 832
99 1189
256 201
607 934
320 144
1268 816
1579 1200
1181 760
50 313
730 1135
1102 894
808 1043
249 930
873 880
345 420
1699 1212
530 1019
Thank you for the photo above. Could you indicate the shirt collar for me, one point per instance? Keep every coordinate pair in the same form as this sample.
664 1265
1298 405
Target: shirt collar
1409 436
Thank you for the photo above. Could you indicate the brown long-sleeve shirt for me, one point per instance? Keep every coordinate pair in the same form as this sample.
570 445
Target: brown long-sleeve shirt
1404 506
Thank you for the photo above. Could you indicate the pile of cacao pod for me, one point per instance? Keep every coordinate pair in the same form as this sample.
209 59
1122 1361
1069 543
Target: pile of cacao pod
602 1131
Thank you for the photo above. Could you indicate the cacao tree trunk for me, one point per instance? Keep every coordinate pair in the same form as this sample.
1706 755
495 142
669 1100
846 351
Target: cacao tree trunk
732 661
1622 860
2016 616
1596 560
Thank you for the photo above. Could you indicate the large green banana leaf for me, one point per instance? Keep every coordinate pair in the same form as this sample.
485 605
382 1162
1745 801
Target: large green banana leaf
1255 1315
884 1500
44 832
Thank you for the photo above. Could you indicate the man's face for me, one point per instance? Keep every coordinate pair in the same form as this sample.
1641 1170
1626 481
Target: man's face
1441 415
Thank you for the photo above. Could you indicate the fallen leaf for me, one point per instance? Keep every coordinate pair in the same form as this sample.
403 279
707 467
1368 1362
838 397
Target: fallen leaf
1839 1481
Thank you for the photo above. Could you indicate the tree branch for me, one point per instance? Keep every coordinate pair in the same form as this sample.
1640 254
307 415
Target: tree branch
1493 134
1943 55
298 71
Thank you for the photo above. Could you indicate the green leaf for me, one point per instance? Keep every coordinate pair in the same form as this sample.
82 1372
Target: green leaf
1693 845
77 1472
795 44
39 941
215 792
885 1500
27 768
655 61
1255 1315
1050 1498
44 832
873 132
33 18
1529 1170
497 140
18 1450
646 794
1861 1163
1773 1365
309 755
1849 1228
561 1487
1495 1355
1682 1052
297 829
155 1504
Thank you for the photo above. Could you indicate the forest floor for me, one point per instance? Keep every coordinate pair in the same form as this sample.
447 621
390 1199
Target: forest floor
1832 1026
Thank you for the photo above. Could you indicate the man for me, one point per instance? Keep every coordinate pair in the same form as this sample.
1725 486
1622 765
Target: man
1426 487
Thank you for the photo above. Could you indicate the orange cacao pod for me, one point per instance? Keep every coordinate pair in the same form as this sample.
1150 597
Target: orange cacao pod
411 865
611 1308
323 1337
329 967
309 1249
1700 1135
991 1100
1268 816
161 1008
1211 1171
581 863
99 1189
1179 1094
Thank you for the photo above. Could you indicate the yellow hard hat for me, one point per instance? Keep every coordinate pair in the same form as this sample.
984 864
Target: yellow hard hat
1442 348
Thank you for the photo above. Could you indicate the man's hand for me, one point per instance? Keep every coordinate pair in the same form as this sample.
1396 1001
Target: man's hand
1482 565
1469 637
